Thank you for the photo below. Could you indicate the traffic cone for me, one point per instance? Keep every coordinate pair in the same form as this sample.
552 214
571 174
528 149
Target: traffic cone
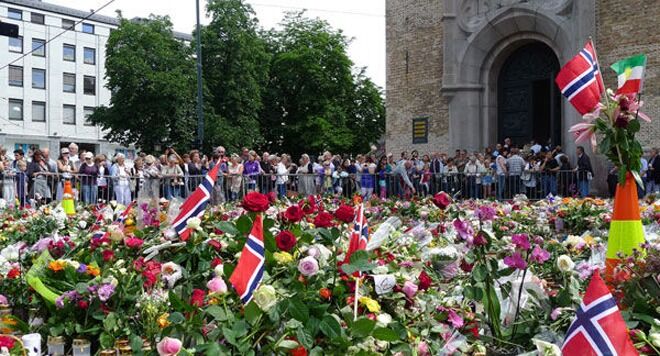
67 199
626 231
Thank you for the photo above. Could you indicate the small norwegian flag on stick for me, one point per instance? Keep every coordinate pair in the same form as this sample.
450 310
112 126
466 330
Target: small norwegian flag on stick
598 328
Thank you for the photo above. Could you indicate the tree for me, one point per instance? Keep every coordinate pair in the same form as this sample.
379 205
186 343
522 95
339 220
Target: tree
152 79
313 100
235 63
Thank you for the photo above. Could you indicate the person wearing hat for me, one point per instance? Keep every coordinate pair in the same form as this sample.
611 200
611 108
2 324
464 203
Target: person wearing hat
65 168
121 176
89 172
151 173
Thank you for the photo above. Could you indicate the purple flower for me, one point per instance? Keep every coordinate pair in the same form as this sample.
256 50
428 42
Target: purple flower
559 224
539 255
409 289
59 302
464 230
555 313
485 213
515 261
106 291
42 244
521 241
584 270
82 268
455 319
308 266
3 300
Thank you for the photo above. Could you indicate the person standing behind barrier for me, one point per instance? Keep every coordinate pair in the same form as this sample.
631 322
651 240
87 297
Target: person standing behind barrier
501 170
436 170
653 181
515 165
368 181
173 178
235 177
529 177
196 169
88 179
151 173
549 169
38 171
566 177
282 176
121 176
21 182
251 170
381 169
266 171
472 171
102 182
406 187
584 172
65 169
306 176
487 179
218 194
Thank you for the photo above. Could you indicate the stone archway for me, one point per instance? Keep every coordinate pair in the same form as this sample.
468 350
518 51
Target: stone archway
528 102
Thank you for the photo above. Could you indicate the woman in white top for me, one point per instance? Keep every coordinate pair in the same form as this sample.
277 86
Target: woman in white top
235 171
282 176
173 178
532 168
306 177
121 178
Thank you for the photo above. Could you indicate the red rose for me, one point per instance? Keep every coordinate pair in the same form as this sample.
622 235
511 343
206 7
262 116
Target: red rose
6 341
466 267
150 278
308 206
255 202
197 298
83 304
272 197
215 262
299 351
14 273
323 219
325 293
107 255
215 244
293 214
285 240
424 280
345 213
133 242
442 200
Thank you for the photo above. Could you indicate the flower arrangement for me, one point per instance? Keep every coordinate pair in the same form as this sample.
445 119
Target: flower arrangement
454 277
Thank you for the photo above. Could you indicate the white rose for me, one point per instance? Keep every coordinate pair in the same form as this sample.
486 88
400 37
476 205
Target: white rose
571 241
546 348
265 297
384 319
655 339
380 270
82 224
565 264
169 234
219 270
194 223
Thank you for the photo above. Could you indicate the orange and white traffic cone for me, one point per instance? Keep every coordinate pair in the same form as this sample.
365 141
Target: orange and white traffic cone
67 199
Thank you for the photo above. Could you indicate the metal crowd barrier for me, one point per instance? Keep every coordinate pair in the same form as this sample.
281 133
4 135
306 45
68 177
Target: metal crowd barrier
48 187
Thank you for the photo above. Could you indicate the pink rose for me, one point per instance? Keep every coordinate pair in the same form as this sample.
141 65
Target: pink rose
423 349
217 285
409 289
3 300
168 346
133 242
308 266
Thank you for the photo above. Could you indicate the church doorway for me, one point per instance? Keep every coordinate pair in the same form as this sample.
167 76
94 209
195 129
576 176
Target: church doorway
528 101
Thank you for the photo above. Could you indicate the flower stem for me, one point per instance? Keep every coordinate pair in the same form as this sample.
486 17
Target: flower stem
515 318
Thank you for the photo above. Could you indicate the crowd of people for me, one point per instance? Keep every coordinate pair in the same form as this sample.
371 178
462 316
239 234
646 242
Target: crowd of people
500 172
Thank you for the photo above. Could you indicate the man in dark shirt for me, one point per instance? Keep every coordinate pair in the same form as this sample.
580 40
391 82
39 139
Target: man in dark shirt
549 167
653 175
584 172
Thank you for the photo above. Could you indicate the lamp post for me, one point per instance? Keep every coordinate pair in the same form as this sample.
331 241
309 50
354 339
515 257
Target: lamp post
200 99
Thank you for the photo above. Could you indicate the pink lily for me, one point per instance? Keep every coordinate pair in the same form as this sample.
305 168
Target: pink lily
595 114
634 107
584 132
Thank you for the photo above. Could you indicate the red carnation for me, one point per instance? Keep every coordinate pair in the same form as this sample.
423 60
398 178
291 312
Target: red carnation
323 219
293 214
133 242
272 197
424 280
285 240
83 304
299 351
215 262
217 245
255 202
14 273
6 341
345 213
107 255
308 206
197 298
442 200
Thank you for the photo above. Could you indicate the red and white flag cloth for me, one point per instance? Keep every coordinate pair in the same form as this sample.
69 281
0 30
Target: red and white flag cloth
195 205
120 220
250 268
359 235
598 328
580 80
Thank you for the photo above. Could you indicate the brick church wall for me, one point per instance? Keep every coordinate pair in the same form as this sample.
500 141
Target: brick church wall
624 28
414 40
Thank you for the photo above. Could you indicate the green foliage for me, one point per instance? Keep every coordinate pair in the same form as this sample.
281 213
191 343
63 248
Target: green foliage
152 77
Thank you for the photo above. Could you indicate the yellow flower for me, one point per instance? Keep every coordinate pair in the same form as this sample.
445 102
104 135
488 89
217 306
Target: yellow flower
283 257
129 222
57 265
371 304
93 271
162 320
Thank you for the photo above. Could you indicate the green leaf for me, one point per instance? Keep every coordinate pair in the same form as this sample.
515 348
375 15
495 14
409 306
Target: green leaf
385 334
110 322
362 327
330 327
359 262
136 344
298 310
305 338
638 179
244 224
287 344
480 272
633 126
176 318
228 228
252 312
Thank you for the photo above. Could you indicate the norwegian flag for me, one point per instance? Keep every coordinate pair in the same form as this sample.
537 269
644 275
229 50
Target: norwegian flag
599 328
580 80
98 234
250 268
195 205
359 235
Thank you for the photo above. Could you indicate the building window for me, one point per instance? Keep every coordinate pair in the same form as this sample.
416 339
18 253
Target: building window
16 76
38 78
69 82
15 14
37 18
38 111
69 52
38 47
87 111
90 55
420 128
87 28
89 85
69 114
15 109
68 24
16 44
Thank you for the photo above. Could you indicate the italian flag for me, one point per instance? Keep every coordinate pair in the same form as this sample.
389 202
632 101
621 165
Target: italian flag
630 72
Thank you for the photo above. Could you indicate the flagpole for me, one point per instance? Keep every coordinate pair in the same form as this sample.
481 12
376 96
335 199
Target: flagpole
602 82
357 295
